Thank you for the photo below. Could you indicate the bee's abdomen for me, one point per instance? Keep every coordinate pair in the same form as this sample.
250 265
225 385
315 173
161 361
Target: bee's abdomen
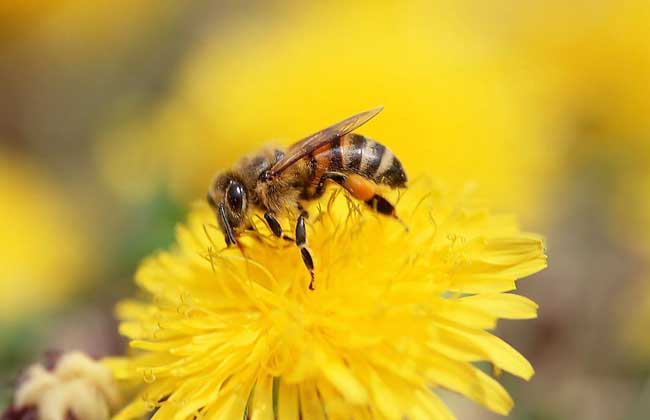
356 154
372 160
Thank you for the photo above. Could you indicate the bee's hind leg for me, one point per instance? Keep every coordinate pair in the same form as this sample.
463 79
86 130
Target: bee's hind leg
337 177
363 189
301 242
383 206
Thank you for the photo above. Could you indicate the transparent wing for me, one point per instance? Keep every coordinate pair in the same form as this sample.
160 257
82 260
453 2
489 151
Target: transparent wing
322 138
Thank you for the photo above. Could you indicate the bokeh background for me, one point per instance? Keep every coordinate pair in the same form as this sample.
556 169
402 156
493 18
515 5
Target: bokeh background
115 114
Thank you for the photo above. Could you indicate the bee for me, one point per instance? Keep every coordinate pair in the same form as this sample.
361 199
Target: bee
277 180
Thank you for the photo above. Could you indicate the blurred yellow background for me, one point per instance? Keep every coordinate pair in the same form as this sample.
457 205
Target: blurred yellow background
115 115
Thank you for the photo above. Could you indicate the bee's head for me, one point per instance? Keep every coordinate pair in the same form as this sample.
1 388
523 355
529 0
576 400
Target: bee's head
229 199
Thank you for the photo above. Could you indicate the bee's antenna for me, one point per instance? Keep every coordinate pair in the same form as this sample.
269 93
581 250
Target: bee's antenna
230 238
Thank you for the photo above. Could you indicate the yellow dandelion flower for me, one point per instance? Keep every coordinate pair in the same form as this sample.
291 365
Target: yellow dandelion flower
395 315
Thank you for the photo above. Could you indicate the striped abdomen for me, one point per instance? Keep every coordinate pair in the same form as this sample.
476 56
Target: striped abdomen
354 153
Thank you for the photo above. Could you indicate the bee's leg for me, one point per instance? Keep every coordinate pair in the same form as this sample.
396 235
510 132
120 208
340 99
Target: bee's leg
275 226
366 190
229 235
334 176
360 188
380 204
383 206
301 242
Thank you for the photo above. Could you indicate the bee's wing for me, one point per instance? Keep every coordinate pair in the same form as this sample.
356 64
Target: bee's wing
318 140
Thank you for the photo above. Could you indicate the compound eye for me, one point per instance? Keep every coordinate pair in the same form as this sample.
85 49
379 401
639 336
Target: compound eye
235 197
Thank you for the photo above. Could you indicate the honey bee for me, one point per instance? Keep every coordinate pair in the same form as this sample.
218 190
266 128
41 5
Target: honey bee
275 181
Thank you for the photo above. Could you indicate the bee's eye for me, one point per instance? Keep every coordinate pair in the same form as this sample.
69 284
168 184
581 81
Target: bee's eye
235 196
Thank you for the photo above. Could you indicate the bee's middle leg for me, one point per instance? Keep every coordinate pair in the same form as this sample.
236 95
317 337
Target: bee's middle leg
301 242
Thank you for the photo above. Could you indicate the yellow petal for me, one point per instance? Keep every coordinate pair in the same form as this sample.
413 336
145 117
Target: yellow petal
435 406
262 404
288 402
492 349
471 315
345 381
502 305
471 382
226 408
482 283
509 251
383 397
135 410
310 404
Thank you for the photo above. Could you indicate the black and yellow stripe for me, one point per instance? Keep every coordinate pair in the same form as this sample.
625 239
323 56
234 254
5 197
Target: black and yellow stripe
373 160
354 153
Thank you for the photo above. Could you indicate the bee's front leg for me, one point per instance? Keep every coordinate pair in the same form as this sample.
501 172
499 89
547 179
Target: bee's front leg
301 242
275 226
